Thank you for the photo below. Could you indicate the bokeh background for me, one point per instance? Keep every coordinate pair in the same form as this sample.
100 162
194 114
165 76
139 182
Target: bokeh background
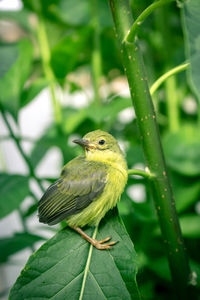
61 77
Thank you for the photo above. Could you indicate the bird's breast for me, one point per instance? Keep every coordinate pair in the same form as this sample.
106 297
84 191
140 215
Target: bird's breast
116 182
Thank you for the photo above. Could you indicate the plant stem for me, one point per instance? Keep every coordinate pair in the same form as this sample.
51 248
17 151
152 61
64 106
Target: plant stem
161 188
171 86
140 173
28 162
23 138
172 105
46 56
96 53
130 36
165 76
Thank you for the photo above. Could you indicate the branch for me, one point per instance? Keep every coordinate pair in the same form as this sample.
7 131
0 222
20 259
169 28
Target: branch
16 140
133 31
142 173
165 76
150 137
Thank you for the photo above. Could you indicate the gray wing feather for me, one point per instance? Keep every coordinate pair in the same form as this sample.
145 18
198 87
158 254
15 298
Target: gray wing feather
79 185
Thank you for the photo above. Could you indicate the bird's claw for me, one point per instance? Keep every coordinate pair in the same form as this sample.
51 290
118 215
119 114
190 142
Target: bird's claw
101 246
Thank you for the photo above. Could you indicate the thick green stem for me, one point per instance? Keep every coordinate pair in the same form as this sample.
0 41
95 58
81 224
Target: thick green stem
130 36
96 53
165 76
16 140
161 188
46 55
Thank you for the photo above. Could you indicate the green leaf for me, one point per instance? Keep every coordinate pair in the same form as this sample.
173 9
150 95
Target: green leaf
40 6
190 225
14 188
71 51
56 270
107 113
73 118
14 70
83 12
186 191
182 150
75 15
29 93
191 25
16 243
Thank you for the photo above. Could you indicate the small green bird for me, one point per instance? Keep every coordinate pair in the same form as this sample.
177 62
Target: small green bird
90 185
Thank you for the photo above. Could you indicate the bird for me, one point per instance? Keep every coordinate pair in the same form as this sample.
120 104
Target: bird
89 186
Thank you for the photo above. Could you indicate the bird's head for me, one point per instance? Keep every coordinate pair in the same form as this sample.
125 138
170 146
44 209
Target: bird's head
100 145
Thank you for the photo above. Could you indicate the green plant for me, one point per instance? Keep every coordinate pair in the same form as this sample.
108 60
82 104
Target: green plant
67 40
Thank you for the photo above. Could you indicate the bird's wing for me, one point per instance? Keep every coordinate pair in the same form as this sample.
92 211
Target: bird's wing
81 183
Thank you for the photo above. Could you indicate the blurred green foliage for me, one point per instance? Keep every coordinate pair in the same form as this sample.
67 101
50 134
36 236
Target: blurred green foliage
71 29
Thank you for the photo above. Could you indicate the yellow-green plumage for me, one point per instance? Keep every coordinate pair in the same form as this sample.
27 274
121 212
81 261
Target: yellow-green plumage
90 184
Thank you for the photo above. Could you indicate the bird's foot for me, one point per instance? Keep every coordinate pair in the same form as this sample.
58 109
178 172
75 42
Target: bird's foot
100 244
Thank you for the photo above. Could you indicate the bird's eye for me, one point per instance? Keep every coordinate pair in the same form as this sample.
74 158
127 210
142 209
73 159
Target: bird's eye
102 142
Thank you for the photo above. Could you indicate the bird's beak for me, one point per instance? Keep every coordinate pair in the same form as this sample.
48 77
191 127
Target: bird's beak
84 143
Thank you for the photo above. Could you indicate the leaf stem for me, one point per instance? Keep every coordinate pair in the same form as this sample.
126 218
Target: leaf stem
24 138
46 56
87 265
16 140
165 76
150 137
172 103
133 31
140 173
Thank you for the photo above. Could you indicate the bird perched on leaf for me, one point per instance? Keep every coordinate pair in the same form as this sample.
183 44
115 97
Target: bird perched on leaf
89 186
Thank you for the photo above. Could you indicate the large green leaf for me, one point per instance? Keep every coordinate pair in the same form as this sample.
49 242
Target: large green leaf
192 32
78 14
40 6
71 51
14 70
182 150
82 13
186 191
14 188
57 269
16 243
